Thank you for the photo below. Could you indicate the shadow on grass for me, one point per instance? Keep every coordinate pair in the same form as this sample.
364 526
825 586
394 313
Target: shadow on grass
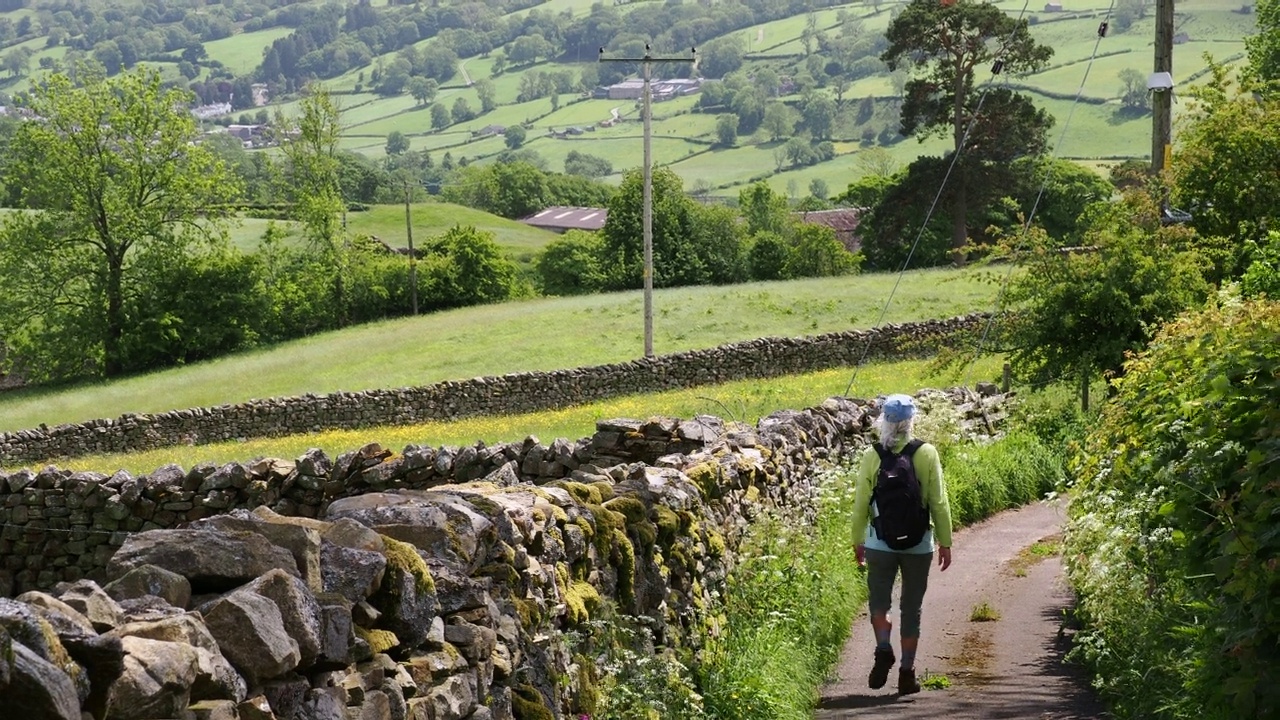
1124 114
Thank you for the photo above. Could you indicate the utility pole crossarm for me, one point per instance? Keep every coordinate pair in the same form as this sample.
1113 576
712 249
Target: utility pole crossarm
647 61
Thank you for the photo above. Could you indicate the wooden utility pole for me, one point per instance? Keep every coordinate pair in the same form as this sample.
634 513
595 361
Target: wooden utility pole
413 256
648 61
1161 85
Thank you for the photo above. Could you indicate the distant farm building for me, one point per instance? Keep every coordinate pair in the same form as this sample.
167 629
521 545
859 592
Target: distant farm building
844 221
1053 7
661 89
560 219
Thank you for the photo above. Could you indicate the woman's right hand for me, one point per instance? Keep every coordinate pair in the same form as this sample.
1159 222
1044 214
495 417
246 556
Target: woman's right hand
860 552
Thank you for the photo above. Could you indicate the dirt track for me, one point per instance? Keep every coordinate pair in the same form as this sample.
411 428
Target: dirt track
1009 668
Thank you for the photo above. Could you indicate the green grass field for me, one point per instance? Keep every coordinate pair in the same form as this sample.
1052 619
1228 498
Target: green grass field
516 336
386 222
242 52
745 401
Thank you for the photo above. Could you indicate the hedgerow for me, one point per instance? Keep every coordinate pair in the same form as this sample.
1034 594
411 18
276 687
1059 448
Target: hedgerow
1174 541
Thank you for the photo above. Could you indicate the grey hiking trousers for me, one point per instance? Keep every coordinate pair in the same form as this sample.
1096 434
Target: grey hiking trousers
882 570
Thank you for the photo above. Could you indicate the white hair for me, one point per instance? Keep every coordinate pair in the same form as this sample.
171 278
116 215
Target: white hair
892 434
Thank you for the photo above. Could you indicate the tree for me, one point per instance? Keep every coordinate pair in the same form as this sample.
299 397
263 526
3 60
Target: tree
461 111
591 166
1225 165
571 265
818 189
1133 90
314 185
514 136
674 263
816 252
948 42
779 121
721 56
484 88
423 89
764 210
119 182
1264 45
1078 314
17 61
397 143
440 116
727 130
819 113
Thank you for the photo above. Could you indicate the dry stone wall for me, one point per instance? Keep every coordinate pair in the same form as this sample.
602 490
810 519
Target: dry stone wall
505 394
432 584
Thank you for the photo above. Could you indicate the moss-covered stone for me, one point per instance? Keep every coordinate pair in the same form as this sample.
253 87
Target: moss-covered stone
605 488
687 521
581 600
668 524
528 704
715 544
708 477
379 641
502 572
624 559
529 612
633 509
583 493
752 494
588 697
404 557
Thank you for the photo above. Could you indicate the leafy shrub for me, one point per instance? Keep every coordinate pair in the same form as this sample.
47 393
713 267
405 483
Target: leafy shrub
571 264
1172 545
1262 277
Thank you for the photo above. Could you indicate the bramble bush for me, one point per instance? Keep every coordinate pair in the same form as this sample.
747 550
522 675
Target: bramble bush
1173 544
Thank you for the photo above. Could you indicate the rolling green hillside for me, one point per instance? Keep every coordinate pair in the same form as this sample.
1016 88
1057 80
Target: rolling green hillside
1098 129
543 334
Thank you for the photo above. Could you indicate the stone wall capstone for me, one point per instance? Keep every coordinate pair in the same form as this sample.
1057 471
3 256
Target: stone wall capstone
506 394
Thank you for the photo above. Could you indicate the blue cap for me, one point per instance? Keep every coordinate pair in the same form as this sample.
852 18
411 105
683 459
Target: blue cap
897 408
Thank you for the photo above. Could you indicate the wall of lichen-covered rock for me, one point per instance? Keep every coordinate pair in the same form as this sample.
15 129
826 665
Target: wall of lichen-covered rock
506 394
432 584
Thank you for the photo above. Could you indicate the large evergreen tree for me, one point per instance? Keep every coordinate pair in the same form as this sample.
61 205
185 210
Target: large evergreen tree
947 43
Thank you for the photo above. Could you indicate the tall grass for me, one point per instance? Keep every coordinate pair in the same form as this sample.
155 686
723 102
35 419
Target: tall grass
745 401
541 334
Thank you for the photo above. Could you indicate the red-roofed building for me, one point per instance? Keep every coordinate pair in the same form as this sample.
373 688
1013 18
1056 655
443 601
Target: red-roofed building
843 220
561 218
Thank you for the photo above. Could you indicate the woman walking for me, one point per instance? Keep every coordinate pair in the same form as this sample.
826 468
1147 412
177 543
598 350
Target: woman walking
901 515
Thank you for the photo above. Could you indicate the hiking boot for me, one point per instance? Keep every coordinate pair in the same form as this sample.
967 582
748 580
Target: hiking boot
880 670
907 684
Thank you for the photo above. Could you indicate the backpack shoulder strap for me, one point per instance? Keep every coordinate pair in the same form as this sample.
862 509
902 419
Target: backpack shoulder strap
885 453
912 447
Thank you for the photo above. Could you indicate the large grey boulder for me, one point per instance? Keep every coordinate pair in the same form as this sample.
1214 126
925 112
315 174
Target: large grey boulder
353 574
94 603
442 525
215 679
303 543
64 618
28 628
250 632
299 611
39 689
157 680
149 580
212 560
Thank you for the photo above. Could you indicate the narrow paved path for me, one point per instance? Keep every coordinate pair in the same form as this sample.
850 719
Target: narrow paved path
1010 668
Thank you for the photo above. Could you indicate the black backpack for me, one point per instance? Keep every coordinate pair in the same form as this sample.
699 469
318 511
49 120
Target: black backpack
902 519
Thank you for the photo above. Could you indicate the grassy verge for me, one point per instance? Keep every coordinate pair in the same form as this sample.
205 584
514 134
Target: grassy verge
746 401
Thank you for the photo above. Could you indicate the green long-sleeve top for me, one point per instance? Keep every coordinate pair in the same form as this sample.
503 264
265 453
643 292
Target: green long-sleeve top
933 491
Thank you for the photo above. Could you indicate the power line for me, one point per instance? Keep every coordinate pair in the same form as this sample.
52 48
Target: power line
1026 226
996 67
